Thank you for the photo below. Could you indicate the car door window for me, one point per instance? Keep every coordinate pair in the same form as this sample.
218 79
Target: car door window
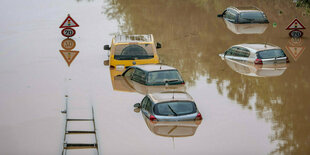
243 52
230 15
231 51
129 72
148 105
144 101
139 76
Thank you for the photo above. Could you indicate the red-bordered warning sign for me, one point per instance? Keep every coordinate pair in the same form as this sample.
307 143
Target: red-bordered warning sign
295 24
295 51
69 56
69 22
68 32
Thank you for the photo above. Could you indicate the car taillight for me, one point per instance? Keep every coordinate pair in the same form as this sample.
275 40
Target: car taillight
183 82
287 60
152 118
258 61
198 117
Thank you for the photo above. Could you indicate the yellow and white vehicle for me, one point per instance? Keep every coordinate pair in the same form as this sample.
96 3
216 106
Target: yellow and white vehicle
128 50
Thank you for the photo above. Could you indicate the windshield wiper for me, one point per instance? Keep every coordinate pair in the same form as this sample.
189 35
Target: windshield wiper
171 80
248 19
175 114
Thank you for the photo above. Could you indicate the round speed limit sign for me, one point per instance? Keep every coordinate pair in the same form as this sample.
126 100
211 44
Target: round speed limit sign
68 32
296 34
68 44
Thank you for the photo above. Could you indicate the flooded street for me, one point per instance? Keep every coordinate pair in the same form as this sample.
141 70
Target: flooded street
245 109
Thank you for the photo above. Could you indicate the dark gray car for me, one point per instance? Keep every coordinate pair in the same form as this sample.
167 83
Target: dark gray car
244 15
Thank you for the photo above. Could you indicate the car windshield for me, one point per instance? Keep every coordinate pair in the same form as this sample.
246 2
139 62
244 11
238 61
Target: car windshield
252 17
163 77
268 54
133 51
174 108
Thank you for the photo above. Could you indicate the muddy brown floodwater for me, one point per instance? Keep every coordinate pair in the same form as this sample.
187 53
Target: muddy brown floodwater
245 109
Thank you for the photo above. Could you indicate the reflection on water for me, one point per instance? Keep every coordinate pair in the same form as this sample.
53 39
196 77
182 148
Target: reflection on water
193 37
251 69
295 47
125 84
69 55
246 28
171 128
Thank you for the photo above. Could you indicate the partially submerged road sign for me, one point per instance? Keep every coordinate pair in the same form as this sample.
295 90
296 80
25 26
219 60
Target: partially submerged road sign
295 51
69 56
294 25
69 22
296 34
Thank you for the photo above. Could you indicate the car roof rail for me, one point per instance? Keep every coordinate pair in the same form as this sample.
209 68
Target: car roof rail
250 7
134 38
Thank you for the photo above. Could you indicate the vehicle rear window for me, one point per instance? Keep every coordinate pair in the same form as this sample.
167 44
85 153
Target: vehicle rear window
134 51
268 54
162 77
252 17
174 108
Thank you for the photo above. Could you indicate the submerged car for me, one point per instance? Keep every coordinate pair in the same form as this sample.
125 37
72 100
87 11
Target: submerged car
154 74
128 50
169 106
256 53
250 69
125 84
244 15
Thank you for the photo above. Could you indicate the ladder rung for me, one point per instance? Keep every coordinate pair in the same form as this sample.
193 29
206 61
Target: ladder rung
80 132
79 119
79 146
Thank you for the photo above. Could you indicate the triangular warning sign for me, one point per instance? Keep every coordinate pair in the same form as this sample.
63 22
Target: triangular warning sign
295 51
295 24
69 22
69 56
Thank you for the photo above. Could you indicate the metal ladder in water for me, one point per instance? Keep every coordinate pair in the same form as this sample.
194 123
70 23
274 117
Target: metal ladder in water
69 146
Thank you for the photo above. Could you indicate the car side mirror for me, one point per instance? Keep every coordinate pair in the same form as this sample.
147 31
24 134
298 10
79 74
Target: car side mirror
222 15
106 47
106 62
158 45
137 110
137 105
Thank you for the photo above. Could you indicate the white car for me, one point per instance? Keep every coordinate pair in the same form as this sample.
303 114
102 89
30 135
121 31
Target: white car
256 53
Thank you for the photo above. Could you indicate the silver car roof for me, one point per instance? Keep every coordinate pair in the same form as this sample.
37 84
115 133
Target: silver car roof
257 47
134 38
170 96
246 9
155 67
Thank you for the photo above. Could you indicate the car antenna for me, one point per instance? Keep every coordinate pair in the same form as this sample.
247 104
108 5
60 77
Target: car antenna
173 143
